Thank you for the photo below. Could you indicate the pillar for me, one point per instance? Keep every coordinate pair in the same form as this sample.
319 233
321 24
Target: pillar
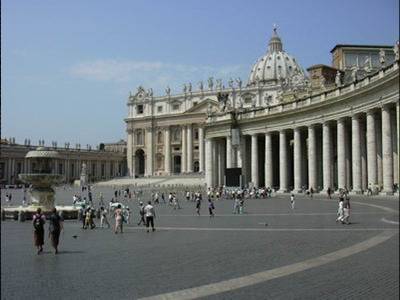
242 160
189 149
229 151
268 161
297 160
221 163
201 149
341 153
326 156
167 153
282 162
149 154
129 153
254 160
371 150
387 154
312 158
356 153
184 152
208 162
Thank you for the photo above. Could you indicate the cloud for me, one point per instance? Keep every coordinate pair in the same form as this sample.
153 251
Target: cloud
156 75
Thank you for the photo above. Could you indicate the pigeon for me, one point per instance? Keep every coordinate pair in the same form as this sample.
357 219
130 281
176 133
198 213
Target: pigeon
74 236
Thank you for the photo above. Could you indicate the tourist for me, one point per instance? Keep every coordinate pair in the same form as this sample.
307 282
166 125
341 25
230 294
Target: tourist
236 204
89 219
119 218
241 206
103 217
55 227
141 213
346 210
198 205
38 225
292 202
187 195
101 202
170 198
127 214
340 209
211 207
311 192
150 215
329 192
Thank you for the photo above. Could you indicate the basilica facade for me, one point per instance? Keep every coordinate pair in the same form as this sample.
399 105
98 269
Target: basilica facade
334 128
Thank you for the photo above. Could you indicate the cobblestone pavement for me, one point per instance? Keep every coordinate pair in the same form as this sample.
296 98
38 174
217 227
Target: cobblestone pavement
188 251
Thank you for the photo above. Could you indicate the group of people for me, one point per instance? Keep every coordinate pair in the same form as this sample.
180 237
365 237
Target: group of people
55 228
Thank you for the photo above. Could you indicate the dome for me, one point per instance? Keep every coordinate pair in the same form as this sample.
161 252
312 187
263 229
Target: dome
275 64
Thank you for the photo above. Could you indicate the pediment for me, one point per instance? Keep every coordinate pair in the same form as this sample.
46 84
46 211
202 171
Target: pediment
203 106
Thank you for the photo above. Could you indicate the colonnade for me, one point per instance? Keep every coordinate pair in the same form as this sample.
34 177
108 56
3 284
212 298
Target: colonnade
352 152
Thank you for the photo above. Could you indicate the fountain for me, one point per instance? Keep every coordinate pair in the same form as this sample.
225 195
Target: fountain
41 181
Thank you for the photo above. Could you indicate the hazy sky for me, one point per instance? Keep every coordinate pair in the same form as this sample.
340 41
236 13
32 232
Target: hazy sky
68 66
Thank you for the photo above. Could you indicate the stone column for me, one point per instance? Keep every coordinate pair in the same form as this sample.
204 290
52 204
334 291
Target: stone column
221 163
229 151
356 154
326 156
297 160
149 154
189 149
254 160
312 158
209 143
398 140
243 164
371 150
215 165
363 152
201 149
167 154
341 153
184 151
268 169
394 146
282 162
387 152
129 153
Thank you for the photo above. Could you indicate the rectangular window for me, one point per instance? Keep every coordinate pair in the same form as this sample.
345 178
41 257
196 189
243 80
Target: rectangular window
159 109
194 103
177 148
175 107
196 147
196 134
139 109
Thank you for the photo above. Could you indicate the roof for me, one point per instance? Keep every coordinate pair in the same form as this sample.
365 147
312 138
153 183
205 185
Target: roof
360 46
321 66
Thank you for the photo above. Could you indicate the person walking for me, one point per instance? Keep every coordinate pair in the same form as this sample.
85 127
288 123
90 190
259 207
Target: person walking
211 208
55 227
292 202
198 204
141 213
150 215
103 217
118 219
38 234
236 204
340 209
241 206
346 210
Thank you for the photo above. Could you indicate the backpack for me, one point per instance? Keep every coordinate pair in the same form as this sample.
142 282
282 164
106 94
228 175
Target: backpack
38 224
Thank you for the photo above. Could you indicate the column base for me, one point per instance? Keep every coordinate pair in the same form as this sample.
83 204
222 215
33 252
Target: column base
356 192
386 193
297 191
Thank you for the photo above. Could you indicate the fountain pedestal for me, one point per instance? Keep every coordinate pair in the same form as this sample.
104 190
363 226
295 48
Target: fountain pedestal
41 181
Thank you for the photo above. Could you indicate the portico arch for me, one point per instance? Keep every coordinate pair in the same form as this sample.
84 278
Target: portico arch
139 162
